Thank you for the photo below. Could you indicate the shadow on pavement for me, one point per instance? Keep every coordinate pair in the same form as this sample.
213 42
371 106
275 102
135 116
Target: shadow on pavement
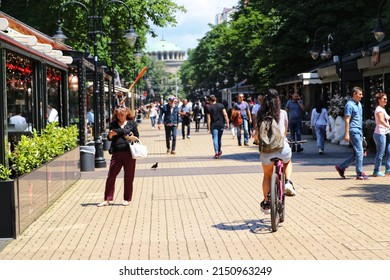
375 194
260 226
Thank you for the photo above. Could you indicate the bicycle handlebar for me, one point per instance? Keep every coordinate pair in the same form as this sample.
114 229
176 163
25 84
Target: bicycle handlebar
297 142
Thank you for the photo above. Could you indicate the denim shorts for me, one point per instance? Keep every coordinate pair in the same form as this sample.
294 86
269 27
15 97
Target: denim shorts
284 155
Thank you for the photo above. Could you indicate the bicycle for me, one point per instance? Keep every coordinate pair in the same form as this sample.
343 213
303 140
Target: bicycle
276 196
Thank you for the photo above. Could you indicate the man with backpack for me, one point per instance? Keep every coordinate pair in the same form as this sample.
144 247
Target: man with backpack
246 116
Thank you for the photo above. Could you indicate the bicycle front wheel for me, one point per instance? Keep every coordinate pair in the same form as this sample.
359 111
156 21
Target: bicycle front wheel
274 202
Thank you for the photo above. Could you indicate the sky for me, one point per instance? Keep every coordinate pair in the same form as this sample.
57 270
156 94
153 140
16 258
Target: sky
192 25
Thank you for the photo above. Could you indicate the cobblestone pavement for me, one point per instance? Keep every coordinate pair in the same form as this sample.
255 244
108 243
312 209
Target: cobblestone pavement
194 207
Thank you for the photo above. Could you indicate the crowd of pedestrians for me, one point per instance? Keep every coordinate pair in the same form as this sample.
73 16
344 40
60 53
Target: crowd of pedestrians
246 116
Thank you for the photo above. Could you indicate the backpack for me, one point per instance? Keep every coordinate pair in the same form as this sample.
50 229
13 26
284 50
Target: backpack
270 137
236 118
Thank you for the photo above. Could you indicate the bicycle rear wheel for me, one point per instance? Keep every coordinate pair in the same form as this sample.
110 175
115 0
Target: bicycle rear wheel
274 202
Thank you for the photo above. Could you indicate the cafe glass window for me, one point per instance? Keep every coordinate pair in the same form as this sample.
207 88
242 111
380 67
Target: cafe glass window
53 86
19 93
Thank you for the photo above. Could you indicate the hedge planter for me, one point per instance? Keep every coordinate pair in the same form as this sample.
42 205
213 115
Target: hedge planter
8 208
34 192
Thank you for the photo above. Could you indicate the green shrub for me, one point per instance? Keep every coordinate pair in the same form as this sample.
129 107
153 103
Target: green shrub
5 173
31 152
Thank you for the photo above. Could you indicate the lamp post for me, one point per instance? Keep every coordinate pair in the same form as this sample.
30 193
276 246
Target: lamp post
365 51
327 52
114 51
379 31
315 52
94 21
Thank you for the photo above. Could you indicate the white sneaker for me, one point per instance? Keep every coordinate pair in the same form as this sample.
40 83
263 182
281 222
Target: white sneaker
125 203
289 189
104 203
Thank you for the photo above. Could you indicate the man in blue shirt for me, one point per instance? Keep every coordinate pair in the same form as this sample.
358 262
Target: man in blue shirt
169 115
90 117
353 115
295 110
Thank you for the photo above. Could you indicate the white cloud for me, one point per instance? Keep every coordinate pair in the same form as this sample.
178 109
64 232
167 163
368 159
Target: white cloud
192 25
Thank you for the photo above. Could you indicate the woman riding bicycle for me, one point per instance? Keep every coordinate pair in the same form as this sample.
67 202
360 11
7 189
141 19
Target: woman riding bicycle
271 108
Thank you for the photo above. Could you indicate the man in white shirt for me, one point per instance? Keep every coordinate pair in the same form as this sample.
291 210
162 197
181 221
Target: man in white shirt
18 120
53 114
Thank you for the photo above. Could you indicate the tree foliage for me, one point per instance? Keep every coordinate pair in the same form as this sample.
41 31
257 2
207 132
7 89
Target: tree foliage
43 15
268 41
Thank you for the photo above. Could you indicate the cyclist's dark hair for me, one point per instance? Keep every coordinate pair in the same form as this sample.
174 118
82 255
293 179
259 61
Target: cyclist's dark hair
270 107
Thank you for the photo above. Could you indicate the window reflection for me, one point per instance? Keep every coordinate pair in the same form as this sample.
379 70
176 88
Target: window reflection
19 93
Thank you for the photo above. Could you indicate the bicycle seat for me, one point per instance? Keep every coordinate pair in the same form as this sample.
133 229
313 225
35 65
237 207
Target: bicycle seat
275 159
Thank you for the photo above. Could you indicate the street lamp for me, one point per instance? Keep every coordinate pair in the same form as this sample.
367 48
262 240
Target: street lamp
94 21
365 51
138 53
114 51
379 31
315 52
327 53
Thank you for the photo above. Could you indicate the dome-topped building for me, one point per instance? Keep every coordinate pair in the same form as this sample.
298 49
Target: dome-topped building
169 53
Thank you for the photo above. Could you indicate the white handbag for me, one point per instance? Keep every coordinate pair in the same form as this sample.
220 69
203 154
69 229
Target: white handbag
138 150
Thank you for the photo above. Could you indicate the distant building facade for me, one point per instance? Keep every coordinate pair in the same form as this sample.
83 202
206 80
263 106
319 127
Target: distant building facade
225 16
169 53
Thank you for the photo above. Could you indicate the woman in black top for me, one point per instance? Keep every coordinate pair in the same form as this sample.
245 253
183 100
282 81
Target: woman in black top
123 129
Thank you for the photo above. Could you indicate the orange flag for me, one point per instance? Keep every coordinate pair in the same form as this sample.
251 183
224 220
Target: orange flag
138 77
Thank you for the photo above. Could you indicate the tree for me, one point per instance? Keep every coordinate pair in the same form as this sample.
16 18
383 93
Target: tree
156 76
269 41
43 14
